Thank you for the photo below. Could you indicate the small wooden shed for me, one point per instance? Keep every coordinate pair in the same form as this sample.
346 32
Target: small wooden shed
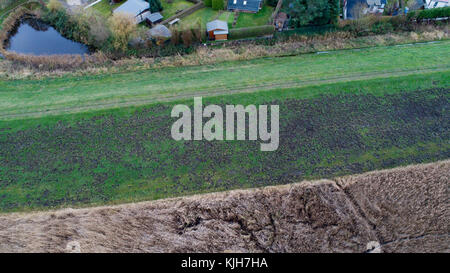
217 30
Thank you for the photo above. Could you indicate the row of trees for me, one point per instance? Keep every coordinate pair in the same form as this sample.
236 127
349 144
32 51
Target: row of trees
109 34
393 7
215 4
312 12
155 5
91 28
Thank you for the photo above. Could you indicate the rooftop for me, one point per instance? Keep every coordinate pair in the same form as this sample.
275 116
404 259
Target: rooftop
133 7
248 5
217 25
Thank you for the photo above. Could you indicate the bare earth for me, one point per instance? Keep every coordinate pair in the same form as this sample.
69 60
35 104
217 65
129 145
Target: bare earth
399 210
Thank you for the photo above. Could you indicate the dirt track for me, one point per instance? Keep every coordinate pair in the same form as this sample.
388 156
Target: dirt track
399 210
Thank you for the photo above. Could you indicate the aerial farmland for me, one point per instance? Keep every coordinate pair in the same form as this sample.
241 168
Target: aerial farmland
351 93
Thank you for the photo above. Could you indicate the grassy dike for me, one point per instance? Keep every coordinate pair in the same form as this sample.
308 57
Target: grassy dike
70 94
127 154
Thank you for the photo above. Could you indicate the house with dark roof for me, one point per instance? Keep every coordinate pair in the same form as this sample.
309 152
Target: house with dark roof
252 6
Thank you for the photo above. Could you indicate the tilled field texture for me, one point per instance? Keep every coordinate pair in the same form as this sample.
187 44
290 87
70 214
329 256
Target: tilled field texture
129 155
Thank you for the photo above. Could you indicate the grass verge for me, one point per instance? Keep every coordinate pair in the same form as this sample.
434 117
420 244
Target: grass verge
71 94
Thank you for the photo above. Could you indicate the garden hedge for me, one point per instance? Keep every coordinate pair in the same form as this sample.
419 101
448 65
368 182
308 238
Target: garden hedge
248 32
218 4
430 14
312 12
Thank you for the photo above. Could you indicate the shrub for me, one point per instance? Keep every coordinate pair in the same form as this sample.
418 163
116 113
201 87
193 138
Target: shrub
155 5
218 5
175 39
272 3
122 28
186 36
381 27
85 26
312 12
99 31
54 5
358 10
390 7
433 13
240 33
197 34
208 3
372 24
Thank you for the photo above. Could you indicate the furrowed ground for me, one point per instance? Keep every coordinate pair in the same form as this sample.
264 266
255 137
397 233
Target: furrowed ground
340 113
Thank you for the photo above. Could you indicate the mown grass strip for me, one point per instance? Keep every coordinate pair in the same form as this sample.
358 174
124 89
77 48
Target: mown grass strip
53 96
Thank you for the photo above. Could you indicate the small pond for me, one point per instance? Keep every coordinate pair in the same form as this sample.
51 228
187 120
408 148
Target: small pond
33 36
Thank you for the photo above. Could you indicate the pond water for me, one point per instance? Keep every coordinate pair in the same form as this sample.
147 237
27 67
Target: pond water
34 37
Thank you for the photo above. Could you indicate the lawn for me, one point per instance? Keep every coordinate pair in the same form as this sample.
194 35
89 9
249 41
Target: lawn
69 94
203 16
170 9
105 8
227 17
127 154
255 19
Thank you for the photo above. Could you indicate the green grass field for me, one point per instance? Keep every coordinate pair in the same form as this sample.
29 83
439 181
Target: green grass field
340 113
170 9
198 18
105 8
255 19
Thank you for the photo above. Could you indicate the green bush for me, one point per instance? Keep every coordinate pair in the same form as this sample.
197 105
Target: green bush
381 27
377 25
312 12
155 6
434 13
218 5
208 3
309 30
248 32
272 3
420 15
89 27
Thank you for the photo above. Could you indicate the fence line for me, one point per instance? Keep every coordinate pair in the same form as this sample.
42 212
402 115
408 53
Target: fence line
185 12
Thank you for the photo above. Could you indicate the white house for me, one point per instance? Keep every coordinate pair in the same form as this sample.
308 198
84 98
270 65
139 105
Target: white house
431 4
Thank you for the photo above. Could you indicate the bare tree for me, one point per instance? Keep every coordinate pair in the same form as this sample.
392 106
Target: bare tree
123 27
359 10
